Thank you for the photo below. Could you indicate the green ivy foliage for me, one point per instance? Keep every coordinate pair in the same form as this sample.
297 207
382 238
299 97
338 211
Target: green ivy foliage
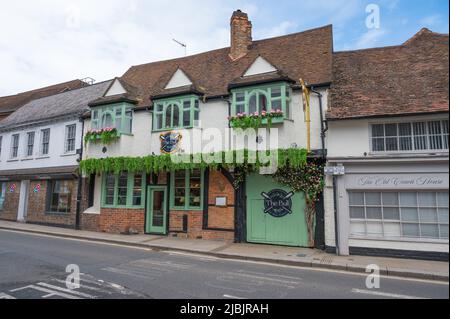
308 178
243 160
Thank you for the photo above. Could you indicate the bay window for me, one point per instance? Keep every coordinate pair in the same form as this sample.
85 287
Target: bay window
261 98
125 190
187 190
176 113
119 116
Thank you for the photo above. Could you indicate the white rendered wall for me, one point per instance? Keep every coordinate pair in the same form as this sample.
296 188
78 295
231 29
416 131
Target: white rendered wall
56 156
351 138
213 115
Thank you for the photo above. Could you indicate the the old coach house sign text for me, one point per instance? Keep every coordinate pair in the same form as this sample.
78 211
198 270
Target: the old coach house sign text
400 181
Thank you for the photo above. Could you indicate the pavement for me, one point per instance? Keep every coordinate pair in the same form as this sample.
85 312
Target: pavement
291 256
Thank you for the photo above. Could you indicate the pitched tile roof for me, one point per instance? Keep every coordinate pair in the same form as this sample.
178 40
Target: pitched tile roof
411 78
9 104
74 102
305 55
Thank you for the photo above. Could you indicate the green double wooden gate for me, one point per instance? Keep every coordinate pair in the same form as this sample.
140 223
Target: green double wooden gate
275 215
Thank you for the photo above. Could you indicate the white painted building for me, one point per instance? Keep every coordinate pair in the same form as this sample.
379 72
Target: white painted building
176 106
390 196
41 146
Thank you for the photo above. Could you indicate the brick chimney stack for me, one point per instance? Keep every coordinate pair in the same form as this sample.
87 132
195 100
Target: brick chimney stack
241 35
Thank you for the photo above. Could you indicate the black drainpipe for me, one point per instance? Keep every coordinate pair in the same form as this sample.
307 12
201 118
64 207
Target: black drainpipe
336 226
323 125
80 180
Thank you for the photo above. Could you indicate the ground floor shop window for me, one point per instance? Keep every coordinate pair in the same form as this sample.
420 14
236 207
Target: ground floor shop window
123 190
186 190
420 215
2 195
59 196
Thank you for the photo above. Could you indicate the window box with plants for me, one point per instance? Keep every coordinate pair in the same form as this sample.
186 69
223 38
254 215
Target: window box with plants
105 136
256 120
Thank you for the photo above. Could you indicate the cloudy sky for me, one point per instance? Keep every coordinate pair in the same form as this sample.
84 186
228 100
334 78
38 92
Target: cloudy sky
43 42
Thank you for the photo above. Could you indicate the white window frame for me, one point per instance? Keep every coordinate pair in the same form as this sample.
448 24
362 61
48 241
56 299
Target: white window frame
411 122
399 222
1 145
28 145
68 139
41 149
14 148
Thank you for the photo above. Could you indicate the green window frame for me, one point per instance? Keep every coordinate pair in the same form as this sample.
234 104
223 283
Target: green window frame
186 189
176 113
248 100
119 116
124 190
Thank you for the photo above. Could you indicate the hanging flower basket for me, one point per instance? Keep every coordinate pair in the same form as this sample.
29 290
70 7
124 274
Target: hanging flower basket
256 120
105 136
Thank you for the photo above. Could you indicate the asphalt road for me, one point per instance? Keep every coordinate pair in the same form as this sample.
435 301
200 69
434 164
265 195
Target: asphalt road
34 267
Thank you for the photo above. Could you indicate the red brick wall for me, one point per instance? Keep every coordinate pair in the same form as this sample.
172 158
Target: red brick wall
11 204
220 217
195 222
121 220
90 222
37 212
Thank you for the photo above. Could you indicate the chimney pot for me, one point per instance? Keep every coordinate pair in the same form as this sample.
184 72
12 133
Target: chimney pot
241 34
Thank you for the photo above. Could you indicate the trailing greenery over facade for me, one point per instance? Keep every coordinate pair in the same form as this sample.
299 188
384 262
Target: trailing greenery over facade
165 163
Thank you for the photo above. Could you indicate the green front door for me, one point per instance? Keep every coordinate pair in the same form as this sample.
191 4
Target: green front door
275 215
156 210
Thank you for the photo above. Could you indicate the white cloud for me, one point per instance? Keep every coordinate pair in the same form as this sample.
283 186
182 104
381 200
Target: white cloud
431 20
370 38
283 28
48 41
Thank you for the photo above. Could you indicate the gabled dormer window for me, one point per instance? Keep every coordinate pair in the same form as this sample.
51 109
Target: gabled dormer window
262 98
176 113
119 116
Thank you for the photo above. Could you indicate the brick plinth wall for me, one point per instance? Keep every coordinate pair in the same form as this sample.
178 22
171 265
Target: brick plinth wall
37 212
218 217
11 204
121 220
90 222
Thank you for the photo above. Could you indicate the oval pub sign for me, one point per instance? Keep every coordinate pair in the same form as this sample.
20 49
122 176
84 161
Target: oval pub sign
278 203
